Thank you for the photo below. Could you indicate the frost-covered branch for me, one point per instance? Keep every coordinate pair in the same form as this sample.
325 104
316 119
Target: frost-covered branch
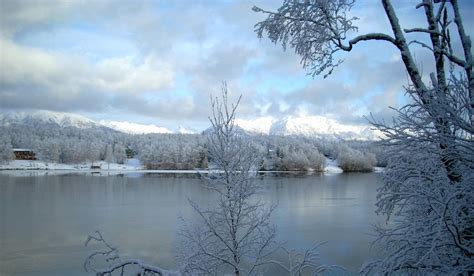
117 265
299 263
315 30
420 30
235 235
430 216
366 37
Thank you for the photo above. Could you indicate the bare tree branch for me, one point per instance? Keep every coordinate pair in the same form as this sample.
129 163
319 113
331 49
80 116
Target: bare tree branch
235 235
115 263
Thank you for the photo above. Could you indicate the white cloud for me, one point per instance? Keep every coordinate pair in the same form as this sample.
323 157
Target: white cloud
123 74
36 77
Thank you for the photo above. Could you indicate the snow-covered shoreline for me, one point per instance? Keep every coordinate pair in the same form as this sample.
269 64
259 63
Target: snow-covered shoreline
28 167
42 165
332 167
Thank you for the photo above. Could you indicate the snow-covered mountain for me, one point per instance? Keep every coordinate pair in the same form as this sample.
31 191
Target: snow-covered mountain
260 125
184 130
318 126
133 128
309 126
37 118
34 118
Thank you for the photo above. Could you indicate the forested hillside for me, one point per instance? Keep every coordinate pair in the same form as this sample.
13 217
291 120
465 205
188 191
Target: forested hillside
54 143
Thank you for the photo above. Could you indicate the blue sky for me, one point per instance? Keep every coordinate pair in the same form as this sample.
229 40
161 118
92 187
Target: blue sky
159 61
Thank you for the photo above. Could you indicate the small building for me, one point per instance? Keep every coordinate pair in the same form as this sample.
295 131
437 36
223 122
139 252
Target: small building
24 154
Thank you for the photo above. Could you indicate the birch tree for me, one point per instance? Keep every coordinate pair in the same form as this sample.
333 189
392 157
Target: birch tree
235 235
427 194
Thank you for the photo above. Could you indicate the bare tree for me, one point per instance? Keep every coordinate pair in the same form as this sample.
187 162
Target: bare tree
236 234
428 195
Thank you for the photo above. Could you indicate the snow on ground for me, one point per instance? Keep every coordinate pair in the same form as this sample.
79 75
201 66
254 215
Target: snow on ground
38 168
131 165
379 169
133 128
128 173
42 165
332 167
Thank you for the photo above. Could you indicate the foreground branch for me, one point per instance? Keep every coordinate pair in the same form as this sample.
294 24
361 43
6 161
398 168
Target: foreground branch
115 264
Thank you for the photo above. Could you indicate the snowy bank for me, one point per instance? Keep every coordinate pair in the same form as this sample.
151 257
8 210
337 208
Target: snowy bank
131 166
42 165
332 167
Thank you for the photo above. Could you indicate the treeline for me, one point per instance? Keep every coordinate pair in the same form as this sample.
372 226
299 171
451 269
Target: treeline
52 143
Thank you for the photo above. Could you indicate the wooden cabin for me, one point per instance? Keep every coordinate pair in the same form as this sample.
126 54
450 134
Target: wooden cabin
24 154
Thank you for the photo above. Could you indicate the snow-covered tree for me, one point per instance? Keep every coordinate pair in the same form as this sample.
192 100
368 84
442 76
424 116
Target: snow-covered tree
235 235
352 160
119 154
432 226
428 193
108 155
6 151
288 153
50 150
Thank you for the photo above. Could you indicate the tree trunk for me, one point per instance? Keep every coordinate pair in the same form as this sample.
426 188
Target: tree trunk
466 45
428 99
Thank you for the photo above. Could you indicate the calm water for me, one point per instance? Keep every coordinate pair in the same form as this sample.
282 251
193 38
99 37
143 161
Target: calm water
44 220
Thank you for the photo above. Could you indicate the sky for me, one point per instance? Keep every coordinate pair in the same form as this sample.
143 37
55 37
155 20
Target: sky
159 62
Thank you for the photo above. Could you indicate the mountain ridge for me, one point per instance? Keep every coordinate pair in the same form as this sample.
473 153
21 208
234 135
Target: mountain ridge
307 126
321 127
47 117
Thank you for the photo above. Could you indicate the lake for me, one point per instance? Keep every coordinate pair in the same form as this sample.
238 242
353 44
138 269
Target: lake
45 219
